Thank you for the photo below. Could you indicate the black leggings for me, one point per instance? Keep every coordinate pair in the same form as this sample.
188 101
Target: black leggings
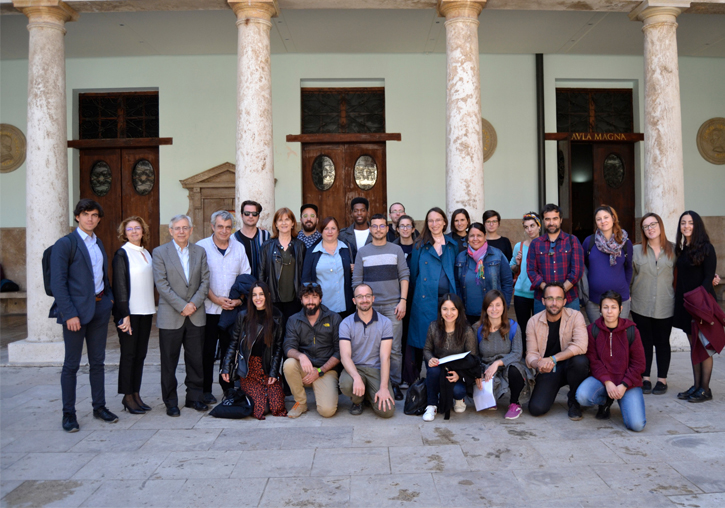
524 308
212 335
568 372
516 384
655 333
133 353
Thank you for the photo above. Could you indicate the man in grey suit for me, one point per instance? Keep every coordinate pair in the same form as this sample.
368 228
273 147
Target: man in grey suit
182 279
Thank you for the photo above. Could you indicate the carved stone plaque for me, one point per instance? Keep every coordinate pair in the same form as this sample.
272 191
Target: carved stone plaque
711 140
12 148
490 140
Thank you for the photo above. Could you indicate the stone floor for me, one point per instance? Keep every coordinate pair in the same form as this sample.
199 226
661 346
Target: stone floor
471 460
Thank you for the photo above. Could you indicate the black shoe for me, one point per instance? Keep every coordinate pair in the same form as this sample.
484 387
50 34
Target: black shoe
208 398
104 414
356 409
646 387
700 395
659 388
397 393
603 411
70 423
575 413
686 394
133 410
140 402
173 411
197 404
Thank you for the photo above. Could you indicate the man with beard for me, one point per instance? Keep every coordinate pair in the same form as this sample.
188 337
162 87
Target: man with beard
556 346
313 354
309 215
555 257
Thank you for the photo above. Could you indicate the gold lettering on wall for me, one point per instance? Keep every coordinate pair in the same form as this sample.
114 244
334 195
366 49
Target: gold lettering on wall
598 136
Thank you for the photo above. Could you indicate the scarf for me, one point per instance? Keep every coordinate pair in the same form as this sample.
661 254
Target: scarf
477 256
610 246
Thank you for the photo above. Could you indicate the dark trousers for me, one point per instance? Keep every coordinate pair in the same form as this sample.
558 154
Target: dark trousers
568 372
213 335
433 385
288 308
655 333
170 342
94 333
133 353
524 309
412 360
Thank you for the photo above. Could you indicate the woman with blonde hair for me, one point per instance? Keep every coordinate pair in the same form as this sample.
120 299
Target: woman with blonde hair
133 309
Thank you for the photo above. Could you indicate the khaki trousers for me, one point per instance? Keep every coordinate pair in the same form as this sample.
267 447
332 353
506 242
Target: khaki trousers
371 378
325 388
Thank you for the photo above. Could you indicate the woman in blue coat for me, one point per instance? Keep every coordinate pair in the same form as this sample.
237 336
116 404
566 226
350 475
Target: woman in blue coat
431 268
479 269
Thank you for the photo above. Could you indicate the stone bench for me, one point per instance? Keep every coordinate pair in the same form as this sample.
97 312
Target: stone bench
13 302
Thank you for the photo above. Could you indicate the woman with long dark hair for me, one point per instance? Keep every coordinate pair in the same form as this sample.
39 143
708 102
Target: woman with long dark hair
653 298
255 353
523 294
460 221
695 266
492 221
432 273
608 256
449 334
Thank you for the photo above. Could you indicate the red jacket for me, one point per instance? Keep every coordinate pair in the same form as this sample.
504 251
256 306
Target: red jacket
611 358
708 318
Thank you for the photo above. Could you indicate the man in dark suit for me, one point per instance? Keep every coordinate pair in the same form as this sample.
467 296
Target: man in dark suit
181 274
83 302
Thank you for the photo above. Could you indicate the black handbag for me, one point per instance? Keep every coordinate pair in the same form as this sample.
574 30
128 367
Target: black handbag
235 405
416 399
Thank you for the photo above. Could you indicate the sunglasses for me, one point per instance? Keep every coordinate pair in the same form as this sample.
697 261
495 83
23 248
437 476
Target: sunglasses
253 214
313 285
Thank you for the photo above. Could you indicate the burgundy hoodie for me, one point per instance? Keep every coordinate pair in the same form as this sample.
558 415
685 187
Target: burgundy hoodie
611 358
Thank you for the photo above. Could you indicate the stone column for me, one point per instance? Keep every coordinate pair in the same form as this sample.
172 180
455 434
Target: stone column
255 150
464 146
46 208
664 186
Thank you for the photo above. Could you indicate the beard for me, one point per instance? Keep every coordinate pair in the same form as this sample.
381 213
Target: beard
308 227
311 310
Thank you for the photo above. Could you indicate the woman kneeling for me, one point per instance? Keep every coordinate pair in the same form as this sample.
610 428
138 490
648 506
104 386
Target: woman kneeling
616 357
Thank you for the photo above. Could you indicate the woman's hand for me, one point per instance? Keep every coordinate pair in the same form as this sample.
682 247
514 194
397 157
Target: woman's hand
479 383
452 376
271 381
613 390
225 377
433 362
519 257
491 371
716 280
125 325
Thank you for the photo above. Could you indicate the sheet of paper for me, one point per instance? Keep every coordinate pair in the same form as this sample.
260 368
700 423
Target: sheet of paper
484 399
452 358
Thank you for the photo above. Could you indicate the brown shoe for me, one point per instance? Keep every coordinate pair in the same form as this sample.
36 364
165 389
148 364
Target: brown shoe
297 410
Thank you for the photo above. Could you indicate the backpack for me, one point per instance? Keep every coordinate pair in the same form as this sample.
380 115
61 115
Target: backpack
512 331
73 238
630 333
416 398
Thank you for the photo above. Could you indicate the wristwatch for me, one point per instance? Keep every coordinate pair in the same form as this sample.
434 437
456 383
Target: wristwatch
320 371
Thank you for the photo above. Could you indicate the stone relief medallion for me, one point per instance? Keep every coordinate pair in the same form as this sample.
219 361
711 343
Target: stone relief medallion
12 148
490 140
711 140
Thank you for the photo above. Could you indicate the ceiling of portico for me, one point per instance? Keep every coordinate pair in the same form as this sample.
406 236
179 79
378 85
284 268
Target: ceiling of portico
406 29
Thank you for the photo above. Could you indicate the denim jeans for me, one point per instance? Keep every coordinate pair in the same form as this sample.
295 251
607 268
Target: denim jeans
433 386
539 305
592 391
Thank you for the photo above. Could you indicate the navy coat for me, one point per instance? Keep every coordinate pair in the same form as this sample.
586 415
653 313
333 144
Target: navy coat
497 275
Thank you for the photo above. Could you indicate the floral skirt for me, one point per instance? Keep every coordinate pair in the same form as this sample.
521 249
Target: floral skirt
264 395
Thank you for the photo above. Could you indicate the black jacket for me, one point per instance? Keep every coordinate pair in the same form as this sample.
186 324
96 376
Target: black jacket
309 271
347 235
320 342
237 365
468 369
239 291
271 265
121 285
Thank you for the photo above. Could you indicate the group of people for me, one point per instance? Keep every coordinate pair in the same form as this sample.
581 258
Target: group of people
363 309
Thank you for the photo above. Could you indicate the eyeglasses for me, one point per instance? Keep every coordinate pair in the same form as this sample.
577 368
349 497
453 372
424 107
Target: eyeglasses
653 225
131 230
180 229
435 221
557 299
253 214
309 216
363 297
378 226
404 227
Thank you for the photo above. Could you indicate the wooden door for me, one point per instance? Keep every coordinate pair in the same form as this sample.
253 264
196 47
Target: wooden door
614 181
334 174
564 183
140 196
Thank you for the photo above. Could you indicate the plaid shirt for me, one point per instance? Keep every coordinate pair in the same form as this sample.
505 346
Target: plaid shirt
565 262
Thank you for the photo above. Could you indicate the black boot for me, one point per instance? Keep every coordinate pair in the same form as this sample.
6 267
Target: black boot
603 412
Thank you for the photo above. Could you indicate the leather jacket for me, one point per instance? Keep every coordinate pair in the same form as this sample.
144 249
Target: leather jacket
121 285
271 265
237 355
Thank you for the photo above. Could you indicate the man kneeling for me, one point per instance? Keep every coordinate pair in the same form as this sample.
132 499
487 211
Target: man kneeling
366 339
312 348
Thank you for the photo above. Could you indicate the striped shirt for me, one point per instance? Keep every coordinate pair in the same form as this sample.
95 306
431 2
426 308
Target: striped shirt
382 268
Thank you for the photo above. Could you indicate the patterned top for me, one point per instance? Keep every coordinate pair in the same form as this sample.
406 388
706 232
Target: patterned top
558 261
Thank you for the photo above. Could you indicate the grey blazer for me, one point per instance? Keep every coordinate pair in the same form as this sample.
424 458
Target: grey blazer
173 290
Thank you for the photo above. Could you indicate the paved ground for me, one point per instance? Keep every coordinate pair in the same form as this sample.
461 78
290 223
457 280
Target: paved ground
472 460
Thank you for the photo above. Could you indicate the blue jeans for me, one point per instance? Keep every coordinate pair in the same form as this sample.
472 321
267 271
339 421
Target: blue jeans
539 305
433 386
592 391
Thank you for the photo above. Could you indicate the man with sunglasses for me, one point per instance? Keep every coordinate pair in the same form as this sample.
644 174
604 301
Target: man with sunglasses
312 348
309 216
251 236
556 346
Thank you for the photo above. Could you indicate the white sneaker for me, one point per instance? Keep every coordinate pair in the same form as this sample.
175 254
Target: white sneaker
430 413
459 406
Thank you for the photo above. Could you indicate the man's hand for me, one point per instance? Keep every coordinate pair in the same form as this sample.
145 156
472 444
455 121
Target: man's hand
306 364
545 365
400 310
384 400
188 310
358 387
567 286
543 285
226 303
73 324
311 377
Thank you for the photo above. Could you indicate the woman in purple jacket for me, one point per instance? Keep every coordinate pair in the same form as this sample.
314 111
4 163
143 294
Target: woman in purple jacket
608 256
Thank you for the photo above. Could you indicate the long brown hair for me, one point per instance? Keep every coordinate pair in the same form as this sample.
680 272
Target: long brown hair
616 228
278 215
426 236
459 334
664 244
491 297
252 314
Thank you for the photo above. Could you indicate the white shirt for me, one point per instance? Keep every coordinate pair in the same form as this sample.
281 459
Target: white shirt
141 274
223 270
184 258
361 236
94 250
